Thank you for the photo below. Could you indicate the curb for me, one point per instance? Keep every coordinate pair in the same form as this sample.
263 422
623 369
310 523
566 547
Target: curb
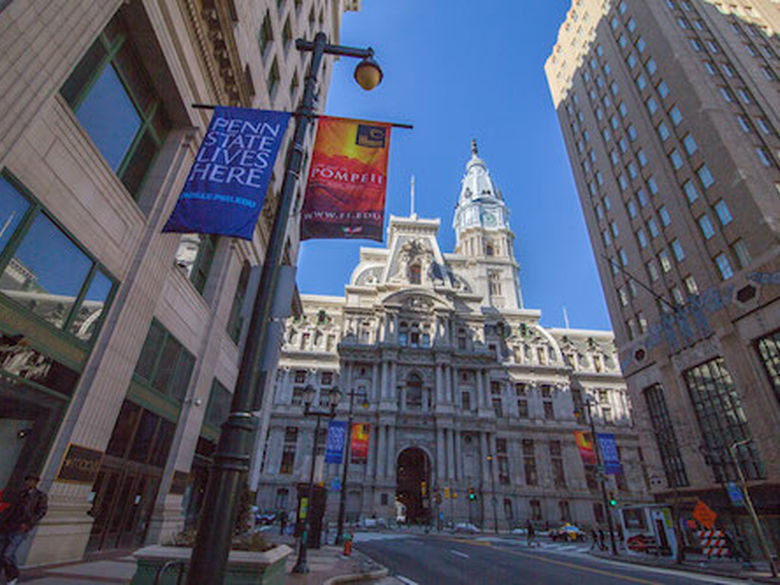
358 577
689 569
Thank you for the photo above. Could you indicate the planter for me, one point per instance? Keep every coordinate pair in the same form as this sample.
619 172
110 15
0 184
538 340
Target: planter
244 568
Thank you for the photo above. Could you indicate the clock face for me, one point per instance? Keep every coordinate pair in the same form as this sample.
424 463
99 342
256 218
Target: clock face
488 218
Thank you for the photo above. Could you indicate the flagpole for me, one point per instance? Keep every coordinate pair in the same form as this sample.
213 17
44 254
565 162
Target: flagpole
232 456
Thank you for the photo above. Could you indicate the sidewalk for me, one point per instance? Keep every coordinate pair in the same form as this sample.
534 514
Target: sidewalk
697 564
118 568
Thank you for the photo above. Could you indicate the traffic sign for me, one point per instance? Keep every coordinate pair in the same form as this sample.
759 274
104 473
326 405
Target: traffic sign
704 515
735 494
335 484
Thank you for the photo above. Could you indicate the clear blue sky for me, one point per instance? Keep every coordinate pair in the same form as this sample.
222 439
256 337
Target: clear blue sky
457 70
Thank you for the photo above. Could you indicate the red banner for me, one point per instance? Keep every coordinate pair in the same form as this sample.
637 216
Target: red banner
585 445
345 194
361 435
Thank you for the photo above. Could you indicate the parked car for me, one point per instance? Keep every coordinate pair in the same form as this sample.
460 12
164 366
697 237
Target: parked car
568 533
466 527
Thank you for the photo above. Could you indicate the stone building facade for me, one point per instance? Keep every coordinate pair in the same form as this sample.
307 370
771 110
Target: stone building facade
119 345
670 116
450 368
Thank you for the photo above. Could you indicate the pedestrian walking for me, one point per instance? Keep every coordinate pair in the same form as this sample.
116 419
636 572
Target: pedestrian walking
602 546
283 523
25 511
530 533
594 537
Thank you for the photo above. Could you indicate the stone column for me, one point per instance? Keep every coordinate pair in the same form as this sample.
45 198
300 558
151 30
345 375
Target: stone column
372 449
483 463
391 452
381 452
450 454
485 388
392 391
440 456
480 375
374 396
439 385
385 381
458 456
449 386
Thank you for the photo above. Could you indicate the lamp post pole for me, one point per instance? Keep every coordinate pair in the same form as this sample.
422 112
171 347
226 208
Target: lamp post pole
749 505
232 455
345 468
301 565
601 478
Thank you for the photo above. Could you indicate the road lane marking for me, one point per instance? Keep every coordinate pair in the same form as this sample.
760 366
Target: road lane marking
458 553
571 565
406 580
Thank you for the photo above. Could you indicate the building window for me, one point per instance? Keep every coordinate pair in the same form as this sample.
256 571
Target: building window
195 256
414 392
495 397
724 266
549 412
266 35
723 212
663 259
563 511
536 510
722 421
465 400
218 407
508 512
522 408
690 285
415 274
676 159
529 462
43 270
769 353
663 213
705 176
652 271
116 104
741 253
494 282
706 227
675 115
164 365
665 436
288 450
690 144
677 248
556 459
282 498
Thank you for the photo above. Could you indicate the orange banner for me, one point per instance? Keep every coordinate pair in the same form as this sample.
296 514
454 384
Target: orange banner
345 194
361 435
585 445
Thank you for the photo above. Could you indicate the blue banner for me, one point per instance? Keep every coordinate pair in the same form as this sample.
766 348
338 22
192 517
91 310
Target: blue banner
226 187
609 453
337 438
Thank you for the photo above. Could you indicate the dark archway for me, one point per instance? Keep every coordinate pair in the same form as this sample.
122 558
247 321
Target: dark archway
414 484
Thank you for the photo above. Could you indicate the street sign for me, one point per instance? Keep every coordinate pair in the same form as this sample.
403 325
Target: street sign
704 515
735 494
335 484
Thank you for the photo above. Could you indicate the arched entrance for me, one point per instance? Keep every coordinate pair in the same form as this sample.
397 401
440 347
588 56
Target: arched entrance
414 484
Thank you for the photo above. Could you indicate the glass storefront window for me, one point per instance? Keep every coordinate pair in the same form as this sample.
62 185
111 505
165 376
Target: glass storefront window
13 206
769 352
164 365
46 271
661 421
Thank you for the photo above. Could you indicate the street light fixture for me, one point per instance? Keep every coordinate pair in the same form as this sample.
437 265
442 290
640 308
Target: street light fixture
588 402
232 455
334 396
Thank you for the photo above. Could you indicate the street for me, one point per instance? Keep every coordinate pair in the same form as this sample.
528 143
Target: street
457 560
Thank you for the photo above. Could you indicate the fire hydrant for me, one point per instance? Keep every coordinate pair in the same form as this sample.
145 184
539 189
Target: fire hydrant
348 544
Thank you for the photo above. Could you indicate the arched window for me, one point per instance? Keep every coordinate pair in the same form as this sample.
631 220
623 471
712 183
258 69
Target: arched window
415 274
414 392
489 250
403 333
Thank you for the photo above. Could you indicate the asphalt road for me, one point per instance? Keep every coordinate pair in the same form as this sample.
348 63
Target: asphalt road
438 560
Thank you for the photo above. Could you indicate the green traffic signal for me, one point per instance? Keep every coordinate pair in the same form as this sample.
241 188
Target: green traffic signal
613 502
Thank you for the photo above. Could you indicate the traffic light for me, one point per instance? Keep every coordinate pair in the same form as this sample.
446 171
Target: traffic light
472 494
423 488
612 500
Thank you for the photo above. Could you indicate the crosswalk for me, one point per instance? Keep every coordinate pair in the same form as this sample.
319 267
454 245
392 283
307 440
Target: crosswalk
539 545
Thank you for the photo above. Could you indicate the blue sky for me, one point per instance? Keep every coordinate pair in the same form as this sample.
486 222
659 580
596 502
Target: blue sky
458 70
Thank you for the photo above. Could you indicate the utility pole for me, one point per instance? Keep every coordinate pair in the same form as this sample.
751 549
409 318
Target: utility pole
600 474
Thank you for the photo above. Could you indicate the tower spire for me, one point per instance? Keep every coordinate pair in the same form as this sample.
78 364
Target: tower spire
474 146
412 213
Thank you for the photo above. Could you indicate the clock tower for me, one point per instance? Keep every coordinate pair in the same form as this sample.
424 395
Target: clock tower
483 233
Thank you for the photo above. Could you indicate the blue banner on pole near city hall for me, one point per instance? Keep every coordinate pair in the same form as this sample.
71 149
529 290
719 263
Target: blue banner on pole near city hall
609 453
337 439
226 187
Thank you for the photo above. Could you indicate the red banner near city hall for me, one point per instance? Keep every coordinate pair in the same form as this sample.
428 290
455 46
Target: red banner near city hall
585 445
361 435
345 194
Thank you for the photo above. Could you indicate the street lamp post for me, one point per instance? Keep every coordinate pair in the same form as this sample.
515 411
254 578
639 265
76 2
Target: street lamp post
232 455
308 397
600 474
345 469
749 505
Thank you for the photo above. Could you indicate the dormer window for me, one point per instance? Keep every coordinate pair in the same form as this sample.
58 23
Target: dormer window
415 274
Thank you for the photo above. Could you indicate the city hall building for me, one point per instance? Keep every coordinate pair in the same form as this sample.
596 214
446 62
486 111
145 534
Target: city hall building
119 345
463 388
